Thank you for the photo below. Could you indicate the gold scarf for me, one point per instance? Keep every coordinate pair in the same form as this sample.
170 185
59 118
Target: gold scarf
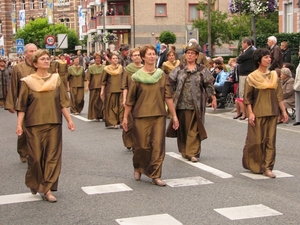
147 78
62 62
131 68
262 80
113 70
171 66
74 72
42 84
96 69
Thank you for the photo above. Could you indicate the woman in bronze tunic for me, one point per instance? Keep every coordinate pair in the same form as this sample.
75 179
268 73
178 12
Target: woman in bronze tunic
111 93
147 95
42 101
192 83
76 86
62 68
126 81
171 63
263 98
93 84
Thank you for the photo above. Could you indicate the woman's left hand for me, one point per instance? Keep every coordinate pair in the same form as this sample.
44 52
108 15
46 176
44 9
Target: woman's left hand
285 117
214 104
175 122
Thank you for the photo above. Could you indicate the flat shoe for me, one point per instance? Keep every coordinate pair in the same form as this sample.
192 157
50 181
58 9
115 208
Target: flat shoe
296 124
158 182
243 118
137 176
50 198
269 173
194 159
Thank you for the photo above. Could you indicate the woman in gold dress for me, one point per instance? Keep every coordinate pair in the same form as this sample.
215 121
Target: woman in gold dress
93 84
76 86
111 93
171 63
263 98
42 101
126 81
62 68
147 95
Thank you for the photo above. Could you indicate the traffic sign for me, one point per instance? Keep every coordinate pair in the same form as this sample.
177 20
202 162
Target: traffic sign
20 50
50 46
50 40
20 42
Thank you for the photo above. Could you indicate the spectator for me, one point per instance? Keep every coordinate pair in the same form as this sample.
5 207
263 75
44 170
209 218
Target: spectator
80 58
291 67
124 58
157 47
276 55
245 64
220 79
287 82
162 57
286 52
4 81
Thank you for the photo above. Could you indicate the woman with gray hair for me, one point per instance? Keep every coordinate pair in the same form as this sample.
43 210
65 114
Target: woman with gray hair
287 82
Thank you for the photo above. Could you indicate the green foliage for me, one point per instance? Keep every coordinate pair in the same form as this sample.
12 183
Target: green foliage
293 40
267 24
37 30
167 37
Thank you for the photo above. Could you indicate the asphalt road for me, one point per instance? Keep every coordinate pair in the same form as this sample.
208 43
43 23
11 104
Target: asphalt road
95 156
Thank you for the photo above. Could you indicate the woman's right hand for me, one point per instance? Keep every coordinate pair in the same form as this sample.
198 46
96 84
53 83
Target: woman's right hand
87 89
251 119
125 124
19 130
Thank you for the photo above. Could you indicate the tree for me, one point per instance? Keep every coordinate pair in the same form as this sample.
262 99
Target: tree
36 31
219 26
167 37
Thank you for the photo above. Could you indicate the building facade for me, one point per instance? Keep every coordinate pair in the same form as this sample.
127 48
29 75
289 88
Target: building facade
64 11
289 16
140 22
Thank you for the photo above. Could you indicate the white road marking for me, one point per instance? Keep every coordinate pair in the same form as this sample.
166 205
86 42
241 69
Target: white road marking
159 219
278 174
201 166
247 212
18 198
108 188
81 118
187 181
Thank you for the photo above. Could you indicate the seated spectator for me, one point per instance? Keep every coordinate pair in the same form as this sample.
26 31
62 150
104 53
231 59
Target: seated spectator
220 79
291 67
287 82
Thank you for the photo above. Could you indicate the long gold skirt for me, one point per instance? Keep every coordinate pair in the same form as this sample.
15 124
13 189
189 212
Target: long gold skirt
260 150
148 135
77 99
113 109
44 157
95 110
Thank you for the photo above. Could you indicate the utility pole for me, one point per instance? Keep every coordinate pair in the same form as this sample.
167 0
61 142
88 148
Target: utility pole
209 27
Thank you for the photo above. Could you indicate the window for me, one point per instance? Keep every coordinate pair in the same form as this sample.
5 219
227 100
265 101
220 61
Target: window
13 5
194 14
22 4
288 23
65 21
41 4
160 9
1 26
31 4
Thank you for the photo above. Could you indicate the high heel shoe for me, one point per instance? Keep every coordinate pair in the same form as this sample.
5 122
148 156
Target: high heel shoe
48 196
236 117
158 182
137 175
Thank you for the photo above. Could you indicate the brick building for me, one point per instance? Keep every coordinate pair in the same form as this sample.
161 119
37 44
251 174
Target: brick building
139 22
289 16
64 11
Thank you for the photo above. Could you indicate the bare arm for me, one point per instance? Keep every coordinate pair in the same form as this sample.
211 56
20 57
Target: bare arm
283 112
125 91
125 117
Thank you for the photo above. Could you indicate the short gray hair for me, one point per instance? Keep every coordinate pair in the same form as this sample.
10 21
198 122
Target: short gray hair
286 71
273 38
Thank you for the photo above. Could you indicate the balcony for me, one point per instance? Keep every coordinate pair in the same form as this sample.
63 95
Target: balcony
111 22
